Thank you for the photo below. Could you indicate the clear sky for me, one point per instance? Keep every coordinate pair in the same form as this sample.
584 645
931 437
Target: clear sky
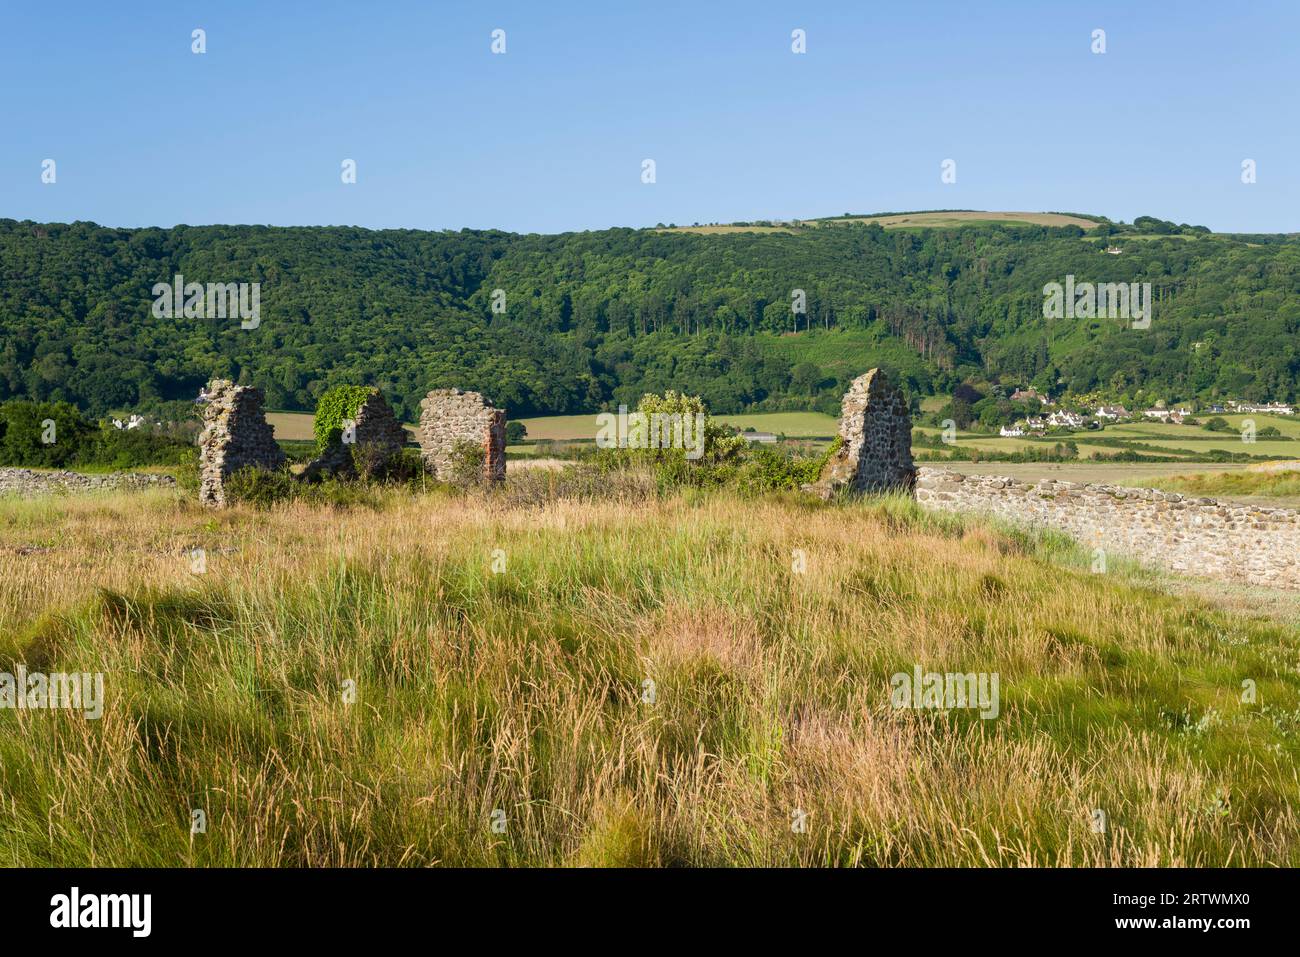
551 135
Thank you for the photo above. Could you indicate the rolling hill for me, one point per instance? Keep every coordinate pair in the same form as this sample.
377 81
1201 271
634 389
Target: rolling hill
564 324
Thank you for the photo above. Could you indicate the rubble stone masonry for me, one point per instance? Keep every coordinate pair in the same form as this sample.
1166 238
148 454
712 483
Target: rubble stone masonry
450 416
30 482
235 434
876 440
1197 536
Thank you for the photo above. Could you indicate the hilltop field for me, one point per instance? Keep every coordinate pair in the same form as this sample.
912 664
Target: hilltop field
590 672
944 219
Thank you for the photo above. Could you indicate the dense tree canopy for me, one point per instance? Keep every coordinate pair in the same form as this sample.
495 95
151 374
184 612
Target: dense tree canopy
579 321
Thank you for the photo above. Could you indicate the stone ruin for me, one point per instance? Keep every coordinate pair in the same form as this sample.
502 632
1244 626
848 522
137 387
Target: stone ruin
235 435
365 449
876 436
449 417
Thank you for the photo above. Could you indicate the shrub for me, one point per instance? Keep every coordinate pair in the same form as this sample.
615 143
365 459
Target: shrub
335 407
25 428
129 448
467 461
42 434
261 487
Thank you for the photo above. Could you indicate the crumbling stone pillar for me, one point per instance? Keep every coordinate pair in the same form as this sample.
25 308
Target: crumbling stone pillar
375 439
449 417
876 435
235 435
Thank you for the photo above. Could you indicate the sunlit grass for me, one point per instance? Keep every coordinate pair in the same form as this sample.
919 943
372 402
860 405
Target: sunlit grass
525 691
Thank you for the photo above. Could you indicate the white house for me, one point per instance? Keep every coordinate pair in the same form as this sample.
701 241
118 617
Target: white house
1011 431
1065 419
1272 408
1113 412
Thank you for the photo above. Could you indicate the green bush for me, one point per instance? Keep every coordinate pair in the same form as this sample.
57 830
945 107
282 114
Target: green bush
335 407
57 435
774 469
467 462
42 434
263 488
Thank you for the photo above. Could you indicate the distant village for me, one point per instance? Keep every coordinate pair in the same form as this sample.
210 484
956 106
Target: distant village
1063 418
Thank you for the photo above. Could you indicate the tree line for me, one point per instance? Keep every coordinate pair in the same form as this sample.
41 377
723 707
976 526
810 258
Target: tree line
570 323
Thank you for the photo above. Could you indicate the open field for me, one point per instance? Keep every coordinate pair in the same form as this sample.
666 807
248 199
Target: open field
525 692
793 424
292 426
1171 441
1154 438
1280 489
297 426
935 219
967 217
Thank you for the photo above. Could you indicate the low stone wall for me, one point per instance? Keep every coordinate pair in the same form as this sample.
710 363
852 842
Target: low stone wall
1198 536
876 436
235 434
29 482
450 416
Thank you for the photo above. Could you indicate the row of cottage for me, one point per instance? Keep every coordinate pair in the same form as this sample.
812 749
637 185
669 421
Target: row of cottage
1065 419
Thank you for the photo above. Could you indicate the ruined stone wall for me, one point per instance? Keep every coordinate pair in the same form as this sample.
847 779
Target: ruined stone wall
449 416
376 437
235 434
876 436
30 482
1199 536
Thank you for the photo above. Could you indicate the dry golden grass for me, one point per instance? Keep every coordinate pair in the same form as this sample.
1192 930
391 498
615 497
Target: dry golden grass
523 692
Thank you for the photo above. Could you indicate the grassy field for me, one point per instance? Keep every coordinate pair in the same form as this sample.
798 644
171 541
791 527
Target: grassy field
1283 486
793 424
522 697
1174 442
922 220
1155 438
297 426
292 426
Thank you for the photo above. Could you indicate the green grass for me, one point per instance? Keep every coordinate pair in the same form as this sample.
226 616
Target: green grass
793 424
523 691
1269 484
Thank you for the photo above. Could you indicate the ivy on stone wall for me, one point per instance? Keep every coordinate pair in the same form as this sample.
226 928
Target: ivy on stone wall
336 406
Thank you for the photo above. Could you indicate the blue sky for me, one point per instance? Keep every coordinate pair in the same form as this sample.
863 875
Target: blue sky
551 135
